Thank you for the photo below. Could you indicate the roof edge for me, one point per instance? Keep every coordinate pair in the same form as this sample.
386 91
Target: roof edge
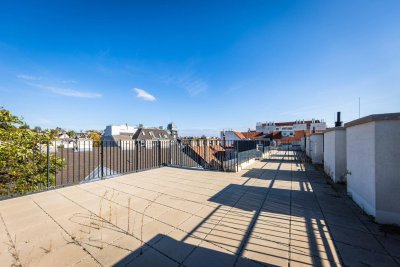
374 117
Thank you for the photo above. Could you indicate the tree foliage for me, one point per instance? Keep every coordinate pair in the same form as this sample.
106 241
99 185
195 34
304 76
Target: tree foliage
23 157
71 134
96 137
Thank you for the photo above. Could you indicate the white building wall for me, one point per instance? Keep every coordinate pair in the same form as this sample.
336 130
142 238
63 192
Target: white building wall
308 148
229 135
118 129
360 153
302 144
318 126
317 148
387 171
335 154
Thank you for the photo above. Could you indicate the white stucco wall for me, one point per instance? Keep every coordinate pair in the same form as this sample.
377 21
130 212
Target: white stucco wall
119 129
360 153
387 171
229 135
308 148
317 148
302 144
335 154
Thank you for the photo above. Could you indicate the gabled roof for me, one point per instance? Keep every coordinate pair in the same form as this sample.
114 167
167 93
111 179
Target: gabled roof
252 135
274 135
151 134
240 135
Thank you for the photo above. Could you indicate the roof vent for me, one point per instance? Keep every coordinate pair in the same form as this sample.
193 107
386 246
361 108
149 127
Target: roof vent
338 122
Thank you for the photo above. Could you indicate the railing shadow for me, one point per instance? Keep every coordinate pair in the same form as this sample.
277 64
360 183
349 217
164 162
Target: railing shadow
147 256
266 206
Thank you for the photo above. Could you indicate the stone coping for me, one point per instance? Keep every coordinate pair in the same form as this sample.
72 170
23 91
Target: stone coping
341 128
374 117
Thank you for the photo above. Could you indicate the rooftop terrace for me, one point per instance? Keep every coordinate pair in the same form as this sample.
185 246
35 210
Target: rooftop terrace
277 212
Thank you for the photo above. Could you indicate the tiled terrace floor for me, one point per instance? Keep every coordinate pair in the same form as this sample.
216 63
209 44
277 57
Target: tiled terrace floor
277 213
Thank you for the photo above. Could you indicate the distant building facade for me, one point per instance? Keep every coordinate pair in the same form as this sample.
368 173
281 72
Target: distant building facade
173 130
288 129
113 134
151 134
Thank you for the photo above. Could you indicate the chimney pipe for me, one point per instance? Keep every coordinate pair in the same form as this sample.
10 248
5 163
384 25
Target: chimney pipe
338 122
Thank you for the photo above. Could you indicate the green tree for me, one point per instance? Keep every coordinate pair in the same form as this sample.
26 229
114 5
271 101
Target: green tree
71 134
96 137
37 129
23 157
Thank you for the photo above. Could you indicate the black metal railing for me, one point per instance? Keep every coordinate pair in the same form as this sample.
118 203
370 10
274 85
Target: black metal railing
85 161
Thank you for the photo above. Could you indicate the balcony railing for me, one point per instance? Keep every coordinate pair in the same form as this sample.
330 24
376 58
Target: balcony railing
86 161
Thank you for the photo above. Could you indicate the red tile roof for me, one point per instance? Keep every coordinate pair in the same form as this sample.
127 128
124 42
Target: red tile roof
240 135
252 135
274 135
297 136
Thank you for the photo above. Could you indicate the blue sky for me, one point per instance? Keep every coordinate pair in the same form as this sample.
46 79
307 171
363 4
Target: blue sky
206 65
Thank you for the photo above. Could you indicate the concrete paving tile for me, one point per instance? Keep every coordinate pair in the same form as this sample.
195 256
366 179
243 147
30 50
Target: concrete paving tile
176 249
174 217
357 238
350 222
208 254
36 248
353 256
322 248
152 258
86 262
245 262
67 255
391 244
267 256
113 253
18 224
152 230
308 260
6 251
225 239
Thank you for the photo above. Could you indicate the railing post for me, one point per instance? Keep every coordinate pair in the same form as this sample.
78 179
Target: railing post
180 153
237 155
137 156
170 152
159 153
205 154
48 164
102 159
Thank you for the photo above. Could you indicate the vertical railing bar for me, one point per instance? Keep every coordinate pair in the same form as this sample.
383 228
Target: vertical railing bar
48 163
62 169
84 159
102 160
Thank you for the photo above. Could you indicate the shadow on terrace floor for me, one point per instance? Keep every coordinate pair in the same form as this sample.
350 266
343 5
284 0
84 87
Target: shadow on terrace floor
174 252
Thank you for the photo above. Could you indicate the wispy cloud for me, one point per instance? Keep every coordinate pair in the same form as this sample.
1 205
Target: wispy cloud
28 77
140 93
33 81
189 82
66 91
69 81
